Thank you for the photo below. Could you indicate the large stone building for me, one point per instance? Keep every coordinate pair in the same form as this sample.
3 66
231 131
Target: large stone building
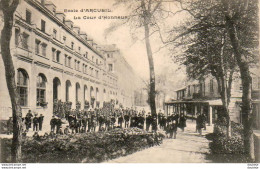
56 60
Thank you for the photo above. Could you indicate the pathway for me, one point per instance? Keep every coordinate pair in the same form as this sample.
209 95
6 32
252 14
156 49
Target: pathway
189 147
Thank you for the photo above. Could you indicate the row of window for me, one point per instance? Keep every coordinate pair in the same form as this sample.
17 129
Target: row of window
54 35
22 87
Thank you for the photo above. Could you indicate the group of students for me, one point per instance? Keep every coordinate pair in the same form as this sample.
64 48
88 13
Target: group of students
29 121
98 120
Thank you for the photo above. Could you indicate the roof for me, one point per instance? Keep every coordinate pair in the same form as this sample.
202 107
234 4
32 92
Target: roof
180 89
216 102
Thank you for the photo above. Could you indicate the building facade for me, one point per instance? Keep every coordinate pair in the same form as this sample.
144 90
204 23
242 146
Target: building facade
202 96
55 60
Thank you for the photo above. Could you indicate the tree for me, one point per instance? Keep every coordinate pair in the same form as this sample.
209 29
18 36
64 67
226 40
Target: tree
239 20
144 14
8 8
210 54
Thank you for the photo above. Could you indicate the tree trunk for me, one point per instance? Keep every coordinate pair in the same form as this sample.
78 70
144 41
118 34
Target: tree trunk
152 74
247 88
147 19
6 35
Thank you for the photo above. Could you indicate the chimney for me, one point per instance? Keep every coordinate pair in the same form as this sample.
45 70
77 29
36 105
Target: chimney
84 35
61 16
90 41
43 2
69 23
50 6
76 29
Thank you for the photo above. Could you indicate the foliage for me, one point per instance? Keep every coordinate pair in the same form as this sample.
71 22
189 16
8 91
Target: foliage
88 147
227 149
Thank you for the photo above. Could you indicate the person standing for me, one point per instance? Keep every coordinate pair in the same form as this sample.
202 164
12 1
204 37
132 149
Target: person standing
53 123
164 121
182 123
126 118
199 124
35 123
58 125
148 121
40 122
113 120
120 120
10 126
154 123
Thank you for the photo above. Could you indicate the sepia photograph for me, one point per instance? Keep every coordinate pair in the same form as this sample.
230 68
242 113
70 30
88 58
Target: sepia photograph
129 81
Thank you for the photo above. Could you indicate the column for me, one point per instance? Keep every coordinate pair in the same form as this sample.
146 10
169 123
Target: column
210 115
195 111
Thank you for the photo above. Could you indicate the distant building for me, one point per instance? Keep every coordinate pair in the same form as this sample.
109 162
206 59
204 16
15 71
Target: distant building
130 86
203 97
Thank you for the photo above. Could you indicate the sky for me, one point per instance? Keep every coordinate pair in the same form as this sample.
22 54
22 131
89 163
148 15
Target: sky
133 51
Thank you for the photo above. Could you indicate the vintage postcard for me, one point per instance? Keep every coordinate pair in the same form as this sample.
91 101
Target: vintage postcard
129 81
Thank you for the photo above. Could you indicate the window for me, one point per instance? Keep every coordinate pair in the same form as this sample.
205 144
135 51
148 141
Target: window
108 56
110 67
211 86
69 61
86 54
79 49
83 68
97 73
86 69
44 46
37 46
78 66
72 45
55 33
22 86
75 64
28 16
66 60
43 24
64 39
189 90
58 56
53 54
41 89
258 83
17 34
25 41
97 61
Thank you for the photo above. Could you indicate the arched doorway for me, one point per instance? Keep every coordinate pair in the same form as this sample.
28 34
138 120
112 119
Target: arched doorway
68 88
56 88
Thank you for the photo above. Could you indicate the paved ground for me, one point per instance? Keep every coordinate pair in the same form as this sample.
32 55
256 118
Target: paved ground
189 147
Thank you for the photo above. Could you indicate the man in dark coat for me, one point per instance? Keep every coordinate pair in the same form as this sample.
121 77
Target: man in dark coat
126 118
40 122
113 120
35 123
154 123
58 125
148 121
120 120
173 128
182 122
84 122
163 121
53 123
199 124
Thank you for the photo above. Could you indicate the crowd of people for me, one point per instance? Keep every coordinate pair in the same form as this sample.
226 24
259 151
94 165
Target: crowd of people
99 120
